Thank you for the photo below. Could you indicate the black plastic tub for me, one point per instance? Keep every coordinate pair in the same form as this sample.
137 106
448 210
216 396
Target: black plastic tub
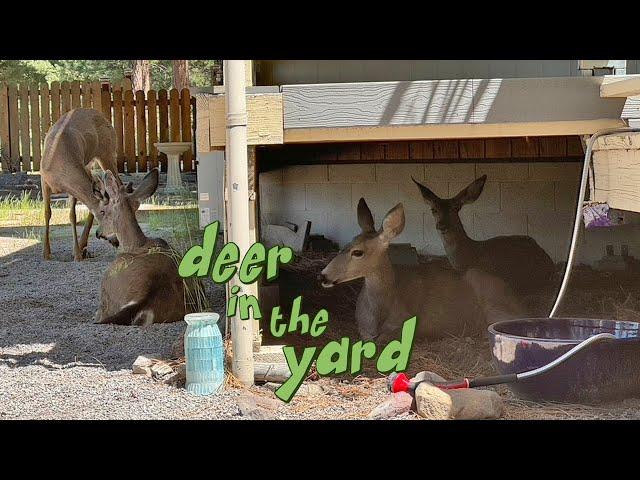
605 371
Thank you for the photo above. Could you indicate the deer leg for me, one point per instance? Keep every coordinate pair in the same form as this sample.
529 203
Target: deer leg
46 197
84 238
77 252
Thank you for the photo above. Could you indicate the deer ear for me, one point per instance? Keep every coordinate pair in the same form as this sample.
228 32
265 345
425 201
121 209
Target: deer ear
393 223
427 194
111 184
471 193
148 185
365 218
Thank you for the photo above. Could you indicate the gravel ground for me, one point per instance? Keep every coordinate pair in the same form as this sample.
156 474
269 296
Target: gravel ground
56 364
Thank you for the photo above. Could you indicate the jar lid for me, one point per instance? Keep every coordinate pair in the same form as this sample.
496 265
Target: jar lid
212 317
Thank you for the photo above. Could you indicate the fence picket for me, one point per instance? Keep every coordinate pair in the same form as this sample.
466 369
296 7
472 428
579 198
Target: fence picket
14 128
96 95
75 94
34 100
129 132
25 143
65 97
5 150
117 125
45 109
85 90
152 127
55 102
185 119
141 131
163 114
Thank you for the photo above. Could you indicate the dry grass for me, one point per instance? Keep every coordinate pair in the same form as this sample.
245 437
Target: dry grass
591 294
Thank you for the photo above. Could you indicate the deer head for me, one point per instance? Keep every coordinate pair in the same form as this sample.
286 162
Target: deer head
118 203
367 251
445 210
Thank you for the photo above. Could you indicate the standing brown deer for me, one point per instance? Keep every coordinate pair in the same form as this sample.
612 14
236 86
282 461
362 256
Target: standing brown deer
141 286
79 138
444 301
517 259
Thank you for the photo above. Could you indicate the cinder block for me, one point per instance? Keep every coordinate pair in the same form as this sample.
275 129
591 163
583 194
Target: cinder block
291 197
553 171
411 198
566 196
489 200
329 197
342 227
271 177
379 198
271 197
488 225
352 173
552 231
527 196
503 172
306 174
399 173
451 172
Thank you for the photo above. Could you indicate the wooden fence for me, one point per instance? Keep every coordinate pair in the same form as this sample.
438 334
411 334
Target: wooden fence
27 112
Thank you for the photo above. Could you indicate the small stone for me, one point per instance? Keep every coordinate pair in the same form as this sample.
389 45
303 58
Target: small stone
472 404
252 408
160 368
396 404
432 402
143 364
178 377
427 376
309 390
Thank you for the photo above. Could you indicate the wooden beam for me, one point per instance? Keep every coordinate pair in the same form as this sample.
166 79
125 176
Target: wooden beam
448 131
628 86
264 117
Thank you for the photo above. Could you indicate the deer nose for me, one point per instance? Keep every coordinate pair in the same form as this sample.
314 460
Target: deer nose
321 278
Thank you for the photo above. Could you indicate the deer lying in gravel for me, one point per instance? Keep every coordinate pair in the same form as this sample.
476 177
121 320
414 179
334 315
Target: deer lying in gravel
517 259
444 301
142 285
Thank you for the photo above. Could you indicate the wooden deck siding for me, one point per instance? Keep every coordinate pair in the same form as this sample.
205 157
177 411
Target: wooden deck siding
447 109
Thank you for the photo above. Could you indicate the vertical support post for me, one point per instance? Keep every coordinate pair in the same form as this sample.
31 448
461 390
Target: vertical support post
237 187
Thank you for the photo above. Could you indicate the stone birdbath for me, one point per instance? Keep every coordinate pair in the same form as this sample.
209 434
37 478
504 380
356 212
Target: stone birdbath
173 151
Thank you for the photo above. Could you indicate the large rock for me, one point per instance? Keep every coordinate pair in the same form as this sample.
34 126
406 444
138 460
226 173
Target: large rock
427 376
465 404
472 404
396 404
432 402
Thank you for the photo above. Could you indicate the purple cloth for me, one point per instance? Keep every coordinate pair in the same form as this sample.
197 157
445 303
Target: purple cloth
596 216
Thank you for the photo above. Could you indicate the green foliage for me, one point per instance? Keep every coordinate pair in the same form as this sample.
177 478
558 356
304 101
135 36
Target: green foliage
39 71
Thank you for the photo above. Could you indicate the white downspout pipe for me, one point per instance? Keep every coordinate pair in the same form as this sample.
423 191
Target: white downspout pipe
238 207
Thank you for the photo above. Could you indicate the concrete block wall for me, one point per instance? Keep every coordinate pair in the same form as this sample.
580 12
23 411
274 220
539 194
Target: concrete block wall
535 199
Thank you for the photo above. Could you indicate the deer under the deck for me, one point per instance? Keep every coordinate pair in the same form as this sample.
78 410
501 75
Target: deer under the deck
516 259
445 301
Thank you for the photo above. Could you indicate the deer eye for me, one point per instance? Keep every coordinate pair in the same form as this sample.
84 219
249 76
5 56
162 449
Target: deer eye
357 253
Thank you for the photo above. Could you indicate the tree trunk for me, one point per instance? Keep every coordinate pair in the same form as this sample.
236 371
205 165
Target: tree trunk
180 74
141 75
